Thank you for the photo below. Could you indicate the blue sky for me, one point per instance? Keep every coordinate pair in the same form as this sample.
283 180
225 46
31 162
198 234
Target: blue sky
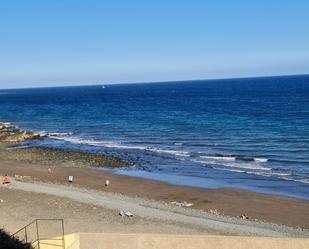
73 42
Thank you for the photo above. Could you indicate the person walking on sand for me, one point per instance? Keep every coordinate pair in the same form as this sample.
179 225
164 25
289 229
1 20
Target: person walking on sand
49 170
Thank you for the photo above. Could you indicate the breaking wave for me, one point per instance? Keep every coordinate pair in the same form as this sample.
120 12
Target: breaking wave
111 144
234 163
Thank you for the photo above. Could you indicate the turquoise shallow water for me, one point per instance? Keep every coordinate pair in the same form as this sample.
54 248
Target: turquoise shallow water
245 133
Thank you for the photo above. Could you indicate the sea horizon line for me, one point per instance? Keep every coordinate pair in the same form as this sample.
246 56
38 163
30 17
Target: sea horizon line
157 82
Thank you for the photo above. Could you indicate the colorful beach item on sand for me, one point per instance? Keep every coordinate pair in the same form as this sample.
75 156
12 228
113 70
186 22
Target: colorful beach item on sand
244 216
6 181
70 179
123 213
128 214
181 204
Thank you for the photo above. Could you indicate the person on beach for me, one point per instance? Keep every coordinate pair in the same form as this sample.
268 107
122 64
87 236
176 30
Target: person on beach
49 170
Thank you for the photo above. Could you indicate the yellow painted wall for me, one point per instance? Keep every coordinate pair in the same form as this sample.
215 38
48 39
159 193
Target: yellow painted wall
159 241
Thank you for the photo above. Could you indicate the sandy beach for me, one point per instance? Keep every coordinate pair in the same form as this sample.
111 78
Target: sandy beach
20 207
87 205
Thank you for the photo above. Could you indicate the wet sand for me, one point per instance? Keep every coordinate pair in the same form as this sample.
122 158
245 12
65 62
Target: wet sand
232 202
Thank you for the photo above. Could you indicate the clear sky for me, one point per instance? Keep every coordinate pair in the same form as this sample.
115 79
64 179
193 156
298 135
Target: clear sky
73 42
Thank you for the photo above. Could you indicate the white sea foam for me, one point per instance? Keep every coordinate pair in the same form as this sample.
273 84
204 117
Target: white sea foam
226 158
232 165
173 152
18 147
306 181
237 170
5 123
280 174
108 144
178 143
53 134
287 178
260 160
251 166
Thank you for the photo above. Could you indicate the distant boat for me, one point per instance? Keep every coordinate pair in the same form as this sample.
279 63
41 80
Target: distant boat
103 86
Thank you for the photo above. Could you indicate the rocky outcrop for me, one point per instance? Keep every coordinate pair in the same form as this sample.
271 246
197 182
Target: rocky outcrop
12 134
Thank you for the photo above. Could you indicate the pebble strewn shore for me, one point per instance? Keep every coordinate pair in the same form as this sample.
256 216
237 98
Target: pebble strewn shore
58 157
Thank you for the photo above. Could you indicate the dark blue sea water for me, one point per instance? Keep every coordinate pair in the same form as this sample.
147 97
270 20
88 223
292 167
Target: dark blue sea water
242 133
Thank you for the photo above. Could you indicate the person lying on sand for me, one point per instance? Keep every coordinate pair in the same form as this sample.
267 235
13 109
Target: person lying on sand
244 216
19 177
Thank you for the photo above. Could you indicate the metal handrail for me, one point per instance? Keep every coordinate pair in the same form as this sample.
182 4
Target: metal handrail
37 232
23 228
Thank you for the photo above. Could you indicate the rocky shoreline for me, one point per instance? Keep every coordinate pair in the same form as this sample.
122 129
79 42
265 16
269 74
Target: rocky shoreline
11 136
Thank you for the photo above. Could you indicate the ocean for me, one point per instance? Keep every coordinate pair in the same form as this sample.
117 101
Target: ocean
250 133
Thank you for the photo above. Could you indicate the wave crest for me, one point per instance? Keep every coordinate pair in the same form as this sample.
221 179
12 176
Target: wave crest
111 144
